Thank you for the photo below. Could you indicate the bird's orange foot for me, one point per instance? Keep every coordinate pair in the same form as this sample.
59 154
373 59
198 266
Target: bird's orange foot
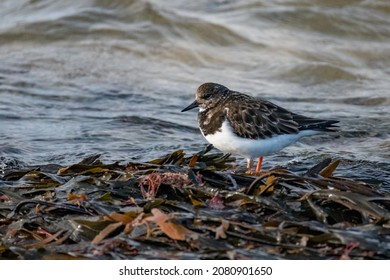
258 171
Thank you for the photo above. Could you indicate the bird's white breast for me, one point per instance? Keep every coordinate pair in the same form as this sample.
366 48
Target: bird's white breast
228 142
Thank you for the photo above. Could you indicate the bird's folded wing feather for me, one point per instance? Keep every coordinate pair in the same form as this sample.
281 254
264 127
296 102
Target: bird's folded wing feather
260 119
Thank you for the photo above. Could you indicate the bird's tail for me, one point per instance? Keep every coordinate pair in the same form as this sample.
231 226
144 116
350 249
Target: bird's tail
306 123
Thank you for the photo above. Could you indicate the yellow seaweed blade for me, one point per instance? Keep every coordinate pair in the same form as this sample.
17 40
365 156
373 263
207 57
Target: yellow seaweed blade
268 186
172 230
328 171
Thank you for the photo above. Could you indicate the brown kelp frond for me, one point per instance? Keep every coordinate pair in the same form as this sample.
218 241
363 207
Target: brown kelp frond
189 206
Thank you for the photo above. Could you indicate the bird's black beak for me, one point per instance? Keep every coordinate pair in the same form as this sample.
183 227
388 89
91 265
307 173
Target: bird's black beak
191 106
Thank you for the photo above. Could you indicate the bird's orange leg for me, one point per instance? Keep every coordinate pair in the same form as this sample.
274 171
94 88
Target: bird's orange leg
258 167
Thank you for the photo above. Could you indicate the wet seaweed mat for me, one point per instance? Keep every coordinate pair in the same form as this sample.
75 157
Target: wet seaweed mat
189 207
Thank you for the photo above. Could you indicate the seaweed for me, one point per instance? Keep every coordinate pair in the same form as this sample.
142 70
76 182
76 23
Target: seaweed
189 207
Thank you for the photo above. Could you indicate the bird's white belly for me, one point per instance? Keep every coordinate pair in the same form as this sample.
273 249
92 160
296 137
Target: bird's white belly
228 142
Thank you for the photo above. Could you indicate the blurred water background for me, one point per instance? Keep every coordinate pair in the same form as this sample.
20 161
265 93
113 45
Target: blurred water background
111 76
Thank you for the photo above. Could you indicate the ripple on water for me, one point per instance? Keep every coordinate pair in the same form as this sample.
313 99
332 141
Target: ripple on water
112 76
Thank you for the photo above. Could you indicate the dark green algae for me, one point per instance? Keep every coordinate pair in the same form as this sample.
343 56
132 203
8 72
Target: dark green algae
189 207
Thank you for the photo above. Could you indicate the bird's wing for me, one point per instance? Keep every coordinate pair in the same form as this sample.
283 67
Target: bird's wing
255 118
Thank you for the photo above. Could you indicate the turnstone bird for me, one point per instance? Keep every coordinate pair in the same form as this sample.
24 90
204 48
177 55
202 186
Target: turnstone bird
237 123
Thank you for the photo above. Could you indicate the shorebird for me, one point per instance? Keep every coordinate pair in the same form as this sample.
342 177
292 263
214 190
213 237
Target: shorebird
237 123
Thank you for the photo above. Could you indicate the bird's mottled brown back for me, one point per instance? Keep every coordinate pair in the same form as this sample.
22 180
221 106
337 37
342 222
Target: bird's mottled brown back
243 115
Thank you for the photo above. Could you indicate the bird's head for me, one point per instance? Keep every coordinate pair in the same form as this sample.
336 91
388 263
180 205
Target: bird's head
207 96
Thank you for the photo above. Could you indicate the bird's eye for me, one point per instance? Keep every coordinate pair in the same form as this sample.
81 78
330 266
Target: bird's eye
207 95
